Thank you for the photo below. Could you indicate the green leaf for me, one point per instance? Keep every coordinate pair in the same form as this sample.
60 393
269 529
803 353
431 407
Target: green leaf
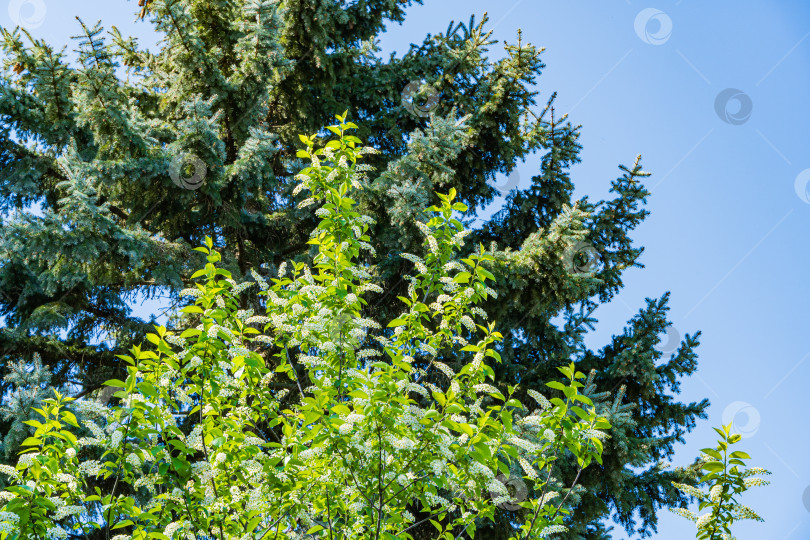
31 441
506 418
713 466
147 389
579 412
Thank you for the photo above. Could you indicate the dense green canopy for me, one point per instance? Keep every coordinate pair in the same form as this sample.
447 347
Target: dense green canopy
134 156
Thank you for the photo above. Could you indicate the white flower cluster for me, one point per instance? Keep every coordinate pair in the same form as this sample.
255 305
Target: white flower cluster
703 520
434 245
522 443
527 467
57 532
175 340
9 516
116 438
552 529
740 511
468 323
488 388
90 408
479 470
690 490
369 287
752 482
754 471
444 368
68 480
191 292
540 399
238 351
90 467
68 510
437 501
26 459
306 202
593 434
194 439
259 280
10 471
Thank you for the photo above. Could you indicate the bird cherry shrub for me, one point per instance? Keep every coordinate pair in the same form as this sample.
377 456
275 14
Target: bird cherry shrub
728 478
377 427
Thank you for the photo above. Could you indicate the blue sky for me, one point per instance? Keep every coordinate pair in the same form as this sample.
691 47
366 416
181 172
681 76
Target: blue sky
729 188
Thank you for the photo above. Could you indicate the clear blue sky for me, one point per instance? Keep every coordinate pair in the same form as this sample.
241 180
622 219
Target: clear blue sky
725 234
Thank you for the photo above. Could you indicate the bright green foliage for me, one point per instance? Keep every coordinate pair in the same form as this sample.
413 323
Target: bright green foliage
31 386
48 469
134 157
366 434
727 478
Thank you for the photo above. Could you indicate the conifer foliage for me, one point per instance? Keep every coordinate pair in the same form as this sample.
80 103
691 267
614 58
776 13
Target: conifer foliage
134 157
